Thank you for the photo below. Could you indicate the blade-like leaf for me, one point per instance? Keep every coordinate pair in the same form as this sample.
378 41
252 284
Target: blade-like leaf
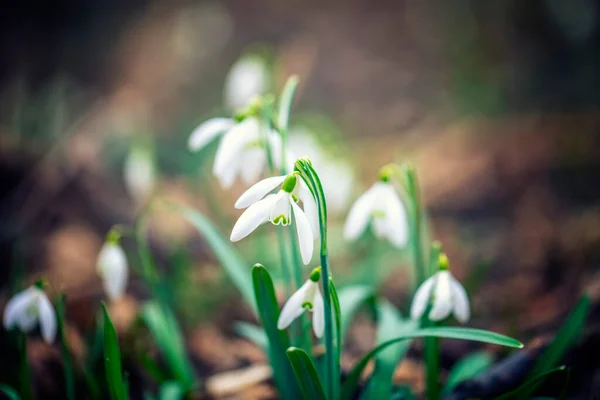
565 338
268 310
64 348
171 391
112 360
9 392
228 256
530 385
285 103
253 333
306 374
389 325
467 368
351 298
350 384
337 313
164 328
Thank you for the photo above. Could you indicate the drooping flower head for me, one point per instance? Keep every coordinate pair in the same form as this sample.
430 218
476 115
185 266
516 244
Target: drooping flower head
445 293
243 149
248 78
308 297
25 309
380 205
139 173
263 206
112 267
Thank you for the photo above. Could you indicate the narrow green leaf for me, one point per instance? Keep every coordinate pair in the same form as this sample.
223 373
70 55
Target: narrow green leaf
228 256
530 385
24 372
467 368
164 328
268 310
253 333
351 298
171 391
306 374
335 300
403 393
285 103
64 348
112 360
389 325
565 338
9 392
350 384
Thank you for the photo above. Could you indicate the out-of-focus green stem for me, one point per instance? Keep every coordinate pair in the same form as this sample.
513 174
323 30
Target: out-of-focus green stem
432 362
412 186
24 373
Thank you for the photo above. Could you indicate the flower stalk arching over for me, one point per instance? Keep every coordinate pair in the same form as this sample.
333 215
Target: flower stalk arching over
25 309
446 294
112 266
241 152
307 297
380 205
277 209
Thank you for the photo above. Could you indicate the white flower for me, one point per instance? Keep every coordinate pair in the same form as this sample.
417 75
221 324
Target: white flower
28 307
336 175
241 151
248 78
139 174
113 269
382 206
276 208
308 297
447 295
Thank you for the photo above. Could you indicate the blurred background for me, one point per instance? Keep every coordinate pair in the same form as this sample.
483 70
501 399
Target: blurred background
496 103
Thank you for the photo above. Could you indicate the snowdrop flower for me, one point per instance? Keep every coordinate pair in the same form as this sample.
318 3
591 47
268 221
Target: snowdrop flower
241 152
248 78
336 176
139 174
381 206
28 307
276 208
446 293
308 297
113 268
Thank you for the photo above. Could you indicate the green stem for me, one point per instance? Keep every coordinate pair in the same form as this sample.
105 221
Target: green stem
415 226
432 360
64 348
24 373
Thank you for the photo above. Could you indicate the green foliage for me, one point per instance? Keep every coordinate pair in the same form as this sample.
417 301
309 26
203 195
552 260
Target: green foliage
306 374
64 348
253 333
351 299
467 368
112 360
9 392
530 385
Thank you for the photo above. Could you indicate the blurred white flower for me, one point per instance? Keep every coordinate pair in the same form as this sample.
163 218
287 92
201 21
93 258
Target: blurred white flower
113 269
308 297
139 174
381 206
26 308
241 151
337 177
276 208
248 78
447 296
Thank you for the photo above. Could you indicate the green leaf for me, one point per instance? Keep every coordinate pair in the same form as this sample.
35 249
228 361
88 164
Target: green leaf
389 325
268 310
112 360
335 300
171 391
228 256
24 372
164 328
253 333
467 368
64 348
402 393
285 103
530 385
9 392
565 338
350 384
306 374
351 298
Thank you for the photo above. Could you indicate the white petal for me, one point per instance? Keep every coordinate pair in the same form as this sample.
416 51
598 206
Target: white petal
258 191
305 234
113 267
47 319
253 164
247 78
310 208
233 144
337 179
281 207
395 218
462 310
275 145
442 297
293 307
139 174
421 299
227 175
207 131
17 309
255 215
359 215
318 314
